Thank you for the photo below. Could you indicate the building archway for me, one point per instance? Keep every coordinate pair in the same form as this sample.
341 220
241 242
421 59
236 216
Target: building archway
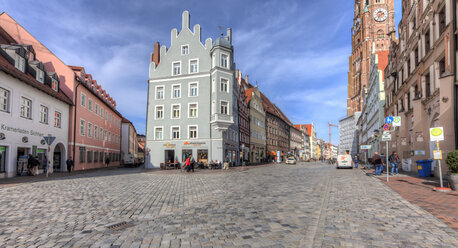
59 158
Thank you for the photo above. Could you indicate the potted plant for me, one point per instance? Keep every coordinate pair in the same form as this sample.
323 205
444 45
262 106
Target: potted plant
452 162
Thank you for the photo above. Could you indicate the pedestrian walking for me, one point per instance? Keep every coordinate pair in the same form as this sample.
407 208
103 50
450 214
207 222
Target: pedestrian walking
107 161
377 162
394 160
29 165
69 163
45 165
193 163
187 165
356 160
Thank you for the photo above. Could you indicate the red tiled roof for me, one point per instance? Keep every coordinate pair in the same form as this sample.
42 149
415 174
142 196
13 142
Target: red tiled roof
273 109
249 94
28 79
308 128
382 61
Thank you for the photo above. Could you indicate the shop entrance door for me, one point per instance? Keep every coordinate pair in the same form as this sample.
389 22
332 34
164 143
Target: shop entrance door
2 158
169 155
186 154
56 159
21 162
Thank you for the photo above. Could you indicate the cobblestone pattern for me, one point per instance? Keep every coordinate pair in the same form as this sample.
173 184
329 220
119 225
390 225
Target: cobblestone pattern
304 205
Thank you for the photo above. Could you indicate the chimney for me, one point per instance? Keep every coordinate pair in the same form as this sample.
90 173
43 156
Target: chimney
157 53
229 35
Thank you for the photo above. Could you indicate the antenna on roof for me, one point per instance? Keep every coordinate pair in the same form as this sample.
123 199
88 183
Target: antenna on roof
221 28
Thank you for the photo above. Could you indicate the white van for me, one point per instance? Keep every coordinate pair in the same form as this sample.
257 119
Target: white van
344 161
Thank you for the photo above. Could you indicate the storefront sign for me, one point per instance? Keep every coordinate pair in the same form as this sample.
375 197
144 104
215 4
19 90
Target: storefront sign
194 143
169 145
20 130
2 148
420 153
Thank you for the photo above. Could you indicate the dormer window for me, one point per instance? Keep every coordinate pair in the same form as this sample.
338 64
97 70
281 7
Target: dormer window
40 76
54 85
19 62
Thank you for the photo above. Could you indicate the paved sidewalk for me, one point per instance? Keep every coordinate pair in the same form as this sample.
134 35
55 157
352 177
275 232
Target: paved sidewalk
419 191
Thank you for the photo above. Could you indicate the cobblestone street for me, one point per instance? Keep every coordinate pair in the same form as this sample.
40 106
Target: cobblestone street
304 205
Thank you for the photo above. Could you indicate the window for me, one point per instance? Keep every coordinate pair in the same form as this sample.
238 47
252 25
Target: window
224 60
176 91
105 134
81 155
184 50
224 85
176 111
57 119
427 42
43 114
96 156
193 66
96 108
89 129
176 68
192 110
40 76
159 92
159 112
175 133
26 108
427 85
83 100
101 156
192 131
4 100
106 115
224 107
109 136
193 89
101 112
54 85
89 156
90 104
101 133
19 63
82 127
96 132
442 20
158 133
442 66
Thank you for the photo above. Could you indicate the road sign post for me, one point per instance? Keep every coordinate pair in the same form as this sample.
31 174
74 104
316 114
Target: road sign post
48 139
437 134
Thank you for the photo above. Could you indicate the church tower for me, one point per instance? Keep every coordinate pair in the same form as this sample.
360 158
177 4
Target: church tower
373 23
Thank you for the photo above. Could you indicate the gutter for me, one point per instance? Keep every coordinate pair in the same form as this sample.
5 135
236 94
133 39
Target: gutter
74 120
455 91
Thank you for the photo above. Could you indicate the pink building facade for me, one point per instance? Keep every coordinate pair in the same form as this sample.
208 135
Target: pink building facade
86 96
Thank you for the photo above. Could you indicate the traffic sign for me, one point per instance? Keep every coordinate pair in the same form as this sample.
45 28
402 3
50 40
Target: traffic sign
437 154
386 127
386 137
49 139
389 120
436 134
396 121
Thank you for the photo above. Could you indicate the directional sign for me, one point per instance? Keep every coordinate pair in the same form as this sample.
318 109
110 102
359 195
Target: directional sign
436 134
386 137
389 120
396 121
386 127
49 139
366 147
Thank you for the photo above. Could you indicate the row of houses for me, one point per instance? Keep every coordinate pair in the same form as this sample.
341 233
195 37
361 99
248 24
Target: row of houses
413 77
200 105
42 96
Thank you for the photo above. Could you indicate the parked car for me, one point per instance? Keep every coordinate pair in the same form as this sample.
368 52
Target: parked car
291 160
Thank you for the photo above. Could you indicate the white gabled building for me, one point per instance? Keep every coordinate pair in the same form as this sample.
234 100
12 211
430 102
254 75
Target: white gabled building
31 107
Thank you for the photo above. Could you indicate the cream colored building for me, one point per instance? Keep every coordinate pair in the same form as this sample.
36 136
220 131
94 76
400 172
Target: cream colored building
420 83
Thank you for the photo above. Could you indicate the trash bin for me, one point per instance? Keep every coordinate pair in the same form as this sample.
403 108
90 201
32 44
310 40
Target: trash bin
424 168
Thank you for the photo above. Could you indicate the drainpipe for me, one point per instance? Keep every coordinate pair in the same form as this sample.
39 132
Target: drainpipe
74 120
455 91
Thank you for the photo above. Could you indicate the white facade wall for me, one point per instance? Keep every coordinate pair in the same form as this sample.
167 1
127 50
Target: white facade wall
22 134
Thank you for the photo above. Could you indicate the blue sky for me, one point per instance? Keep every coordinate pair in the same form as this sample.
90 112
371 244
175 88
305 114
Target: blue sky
297 51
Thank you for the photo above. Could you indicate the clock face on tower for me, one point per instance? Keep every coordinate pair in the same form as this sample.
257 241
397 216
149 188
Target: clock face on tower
380 14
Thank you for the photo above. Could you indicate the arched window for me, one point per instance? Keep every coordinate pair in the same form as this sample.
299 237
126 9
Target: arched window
380 34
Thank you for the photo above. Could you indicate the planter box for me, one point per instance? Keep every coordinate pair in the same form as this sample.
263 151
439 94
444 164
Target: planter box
453 180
